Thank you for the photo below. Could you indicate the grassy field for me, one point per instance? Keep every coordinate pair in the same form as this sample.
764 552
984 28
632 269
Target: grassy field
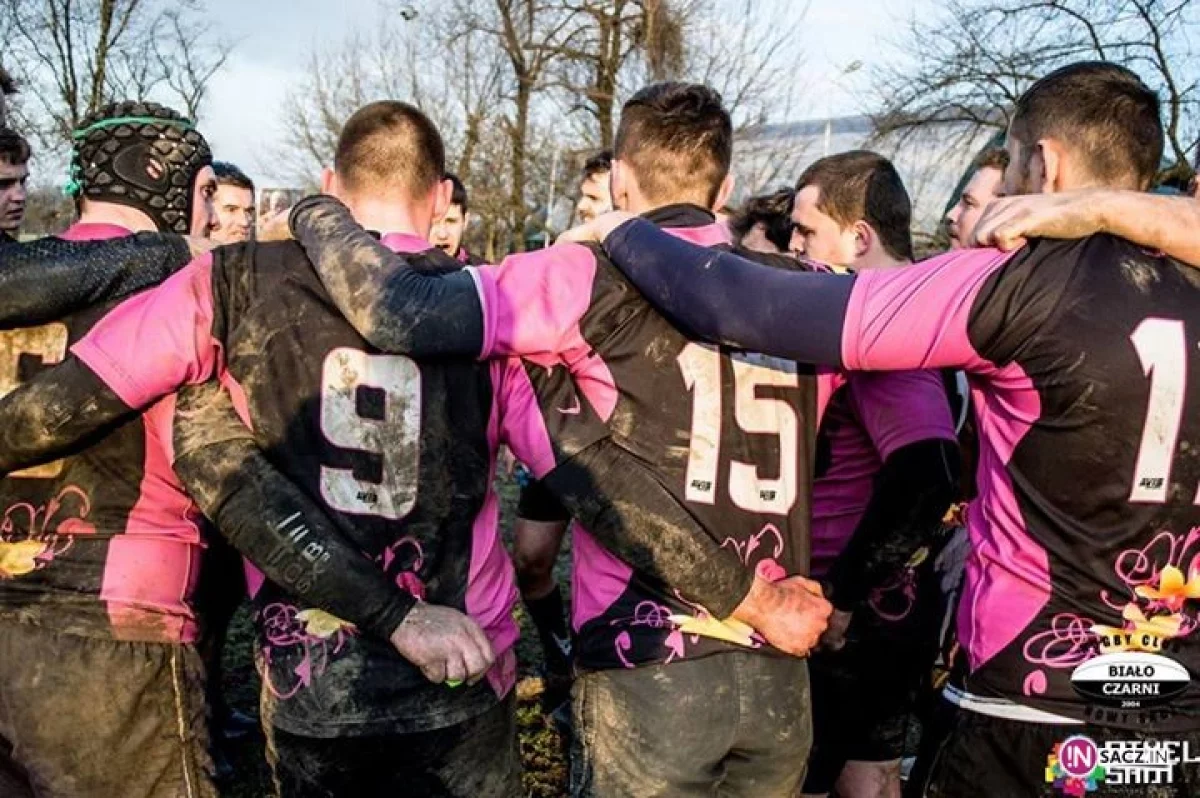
541 747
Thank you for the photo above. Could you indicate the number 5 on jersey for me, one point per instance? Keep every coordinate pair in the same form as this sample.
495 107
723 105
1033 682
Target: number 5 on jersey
394 437
701 367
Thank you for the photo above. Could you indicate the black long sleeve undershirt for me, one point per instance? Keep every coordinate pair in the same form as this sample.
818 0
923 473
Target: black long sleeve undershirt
721 297
393 306
272 522
911 494
55 414
42 281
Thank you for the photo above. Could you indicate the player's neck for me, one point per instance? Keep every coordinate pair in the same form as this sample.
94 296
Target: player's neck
391 217
120 215
879 259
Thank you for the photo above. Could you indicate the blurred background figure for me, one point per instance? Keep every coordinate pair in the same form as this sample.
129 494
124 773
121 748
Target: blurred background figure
984 186
273 207
764 223
595 195
233 204
14 172
447 233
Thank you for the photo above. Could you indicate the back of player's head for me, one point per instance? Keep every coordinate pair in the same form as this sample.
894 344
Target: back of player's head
864 186
388 146
773 211
678 140
598 164
229 175
458 192
1101 112
14 149
143 155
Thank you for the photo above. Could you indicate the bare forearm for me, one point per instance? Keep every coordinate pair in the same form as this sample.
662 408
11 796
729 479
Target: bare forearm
1168 224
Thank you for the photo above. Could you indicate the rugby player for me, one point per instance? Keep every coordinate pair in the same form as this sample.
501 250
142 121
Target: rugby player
1082 359
985 185
101 689
14 173
887 472
448 231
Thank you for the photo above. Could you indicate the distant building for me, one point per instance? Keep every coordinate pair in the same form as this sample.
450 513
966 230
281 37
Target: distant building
931 160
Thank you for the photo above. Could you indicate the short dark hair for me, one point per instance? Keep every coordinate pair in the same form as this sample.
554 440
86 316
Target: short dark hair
773 211
598 164
14 149
991 158
390 144
458 192
1104 112
229 175
863 185
678 140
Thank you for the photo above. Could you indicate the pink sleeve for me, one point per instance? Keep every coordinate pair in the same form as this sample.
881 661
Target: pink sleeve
916 317
158 340
522 425
533 303
901 407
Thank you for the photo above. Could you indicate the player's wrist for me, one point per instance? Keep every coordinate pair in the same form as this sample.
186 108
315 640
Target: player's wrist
758 602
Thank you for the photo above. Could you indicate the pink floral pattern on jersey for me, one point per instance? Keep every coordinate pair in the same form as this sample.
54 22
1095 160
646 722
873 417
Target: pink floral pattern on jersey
767 567
284 633
896 598
32 537
410 549
1158 604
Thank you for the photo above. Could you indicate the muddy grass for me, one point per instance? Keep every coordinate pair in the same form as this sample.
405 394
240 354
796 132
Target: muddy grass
542 753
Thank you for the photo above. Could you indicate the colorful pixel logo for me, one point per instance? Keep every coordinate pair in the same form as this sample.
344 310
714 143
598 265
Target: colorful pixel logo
1074 768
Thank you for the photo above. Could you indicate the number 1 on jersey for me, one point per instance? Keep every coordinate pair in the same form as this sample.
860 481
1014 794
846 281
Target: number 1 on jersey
701 367
1162 349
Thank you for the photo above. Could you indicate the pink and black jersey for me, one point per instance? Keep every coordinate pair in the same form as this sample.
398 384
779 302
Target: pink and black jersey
1083 361
103 542
729 434
400 454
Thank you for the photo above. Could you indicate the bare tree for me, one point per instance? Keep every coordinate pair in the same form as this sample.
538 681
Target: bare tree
968 65
74 56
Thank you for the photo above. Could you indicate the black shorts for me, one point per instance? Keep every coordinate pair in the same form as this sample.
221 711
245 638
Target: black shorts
475 759
985 756
84 716
865 695
734 724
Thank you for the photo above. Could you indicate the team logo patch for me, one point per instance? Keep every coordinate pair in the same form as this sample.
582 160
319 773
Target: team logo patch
1074 768
1131 680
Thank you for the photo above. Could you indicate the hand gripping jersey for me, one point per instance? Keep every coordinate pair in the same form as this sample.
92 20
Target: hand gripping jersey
104 542
729 434
399 453
1083 360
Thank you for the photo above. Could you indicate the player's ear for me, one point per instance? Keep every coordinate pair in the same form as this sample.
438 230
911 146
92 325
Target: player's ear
1048 166
329 182
618 180
724 193
864 238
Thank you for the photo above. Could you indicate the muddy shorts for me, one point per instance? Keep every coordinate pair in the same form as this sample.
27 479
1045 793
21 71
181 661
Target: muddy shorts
730 724
474 759
85 717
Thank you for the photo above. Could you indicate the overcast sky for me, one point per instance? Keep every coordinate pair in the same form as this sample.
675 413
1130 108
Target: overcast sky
241 116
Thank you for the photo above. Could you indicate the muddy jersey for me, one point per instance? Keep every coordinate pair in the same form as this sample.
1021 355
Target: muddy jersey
729 434
103 542
400 454
1082 358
